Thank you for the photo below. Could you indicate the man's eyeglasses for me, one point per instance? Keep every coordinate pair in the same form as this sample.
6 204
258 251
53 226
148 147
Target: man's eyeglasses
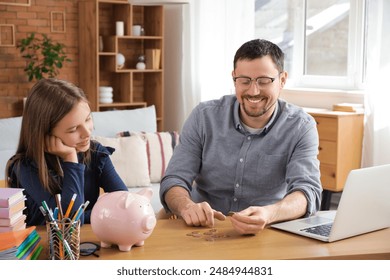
261 82
89 248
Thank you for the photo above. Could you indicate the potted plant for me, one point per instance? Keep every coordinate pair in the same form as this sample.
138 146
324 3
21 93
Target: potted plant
44 57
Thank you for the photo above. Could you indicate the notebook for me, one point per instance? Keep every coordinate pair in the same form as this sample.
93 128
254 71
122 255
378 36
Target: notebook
364 207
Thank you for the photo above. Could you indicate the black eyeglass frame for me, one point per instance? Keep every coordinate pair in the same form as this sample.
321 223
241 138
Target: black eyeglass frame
250 80
90 251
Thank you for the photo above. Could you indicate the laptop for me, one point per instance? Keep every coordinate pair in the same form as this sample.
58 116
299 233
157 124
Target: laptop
364 207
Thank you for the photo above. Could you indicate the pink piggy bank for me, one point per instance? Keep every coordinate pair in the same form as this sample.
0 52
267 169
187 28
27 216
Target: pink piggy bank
123 218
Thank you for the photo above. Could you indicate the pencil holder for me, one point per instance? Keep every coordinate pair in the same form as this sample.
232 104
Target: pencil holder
64 240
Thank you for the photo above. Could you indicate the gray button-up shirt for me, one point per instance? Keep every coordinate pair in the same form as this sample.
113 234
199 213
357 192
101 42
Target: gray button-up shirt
218 161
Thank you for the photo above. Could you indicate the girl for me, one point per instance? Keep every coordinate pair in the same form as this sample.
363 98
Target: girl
55 154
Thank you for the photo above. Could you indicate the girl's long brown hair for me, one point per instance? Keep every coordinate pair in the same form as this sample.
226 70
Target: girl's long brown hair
47 103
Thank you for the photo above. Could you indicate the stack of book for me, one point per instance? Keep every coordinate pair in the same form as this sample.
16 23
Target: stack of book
153 58
20 245
349 107
12 204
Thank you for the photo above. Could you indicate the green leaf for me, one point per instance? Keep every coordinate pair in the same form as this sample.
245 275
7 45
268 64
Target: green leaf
42 55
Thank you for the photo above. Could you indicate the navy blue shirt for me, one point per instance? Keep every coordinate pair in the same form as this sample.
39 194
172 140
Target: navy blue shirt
84 180
219 161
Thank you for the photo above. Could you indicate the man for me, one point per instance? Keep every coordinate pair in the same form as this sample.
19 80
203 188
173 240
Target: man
250 153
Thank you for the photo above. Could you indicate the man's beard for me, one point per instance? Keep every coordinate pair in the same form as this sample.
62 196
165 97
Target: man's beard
255 113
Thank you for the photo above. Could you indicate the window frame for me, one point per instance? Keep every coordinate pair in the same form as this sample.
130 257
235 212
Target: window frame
354 80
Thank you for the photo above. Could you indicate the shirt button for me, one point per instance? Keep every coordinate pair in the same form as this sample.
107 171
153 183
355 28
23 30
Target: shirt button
241 160
249 138
234 199
237 185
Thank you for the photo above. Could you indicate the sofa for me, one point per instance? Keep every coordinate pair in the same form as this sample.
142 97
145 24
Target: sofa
140 159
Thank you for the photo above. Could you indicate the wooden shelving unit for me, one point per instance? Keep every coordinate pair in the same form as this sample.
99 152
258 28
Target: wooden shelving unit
132 88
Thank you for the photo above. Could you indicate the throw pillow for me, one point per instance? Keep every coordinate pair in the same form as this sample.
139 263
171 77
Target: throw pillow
159 147
129 159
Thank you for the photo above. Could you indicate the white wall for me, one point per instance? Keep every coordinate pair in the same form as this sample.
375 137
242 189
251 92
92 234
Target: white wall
173 57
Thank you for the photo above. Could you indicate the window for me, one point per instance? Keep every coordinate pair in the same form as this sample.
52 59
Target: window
323 40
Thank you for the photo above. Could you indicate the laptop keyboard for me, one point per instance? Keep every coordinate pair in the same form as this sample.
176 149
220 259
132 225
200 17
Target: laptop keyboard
323 230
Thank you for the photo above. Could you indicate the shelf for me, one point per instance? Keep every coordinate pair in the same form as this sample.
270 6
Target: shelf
107 53
132 87
113 1
140 37
138 71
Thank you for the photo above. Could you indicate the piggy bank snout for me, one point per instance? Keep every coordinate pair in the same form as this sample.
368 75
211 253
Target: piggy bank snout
149 223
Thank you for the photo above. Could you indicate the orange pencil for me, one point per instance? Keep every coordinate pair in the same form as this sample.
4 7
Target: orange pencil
60 245
70 206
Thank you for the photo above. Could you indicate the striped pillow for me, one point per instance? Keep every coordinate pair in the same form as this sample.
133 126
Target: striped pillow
159 148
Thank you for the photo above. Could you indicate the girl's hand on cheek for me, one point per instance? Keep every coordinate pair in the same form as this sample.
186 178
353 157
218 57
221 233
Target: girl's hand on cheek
55 146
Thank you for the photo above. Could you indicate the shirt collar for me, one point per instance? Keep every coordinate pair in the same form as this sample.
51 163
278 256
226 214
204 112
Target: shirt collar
239 126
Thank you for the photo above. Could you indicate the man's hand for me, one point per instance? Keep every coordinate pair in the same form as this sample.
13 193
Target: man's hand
194 214
255 218
55 146
251 220
200 214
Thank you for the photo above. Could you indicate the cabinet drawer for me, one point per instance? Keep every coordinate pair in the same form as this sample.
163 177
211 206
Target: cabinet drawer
327 128
327 152
328 176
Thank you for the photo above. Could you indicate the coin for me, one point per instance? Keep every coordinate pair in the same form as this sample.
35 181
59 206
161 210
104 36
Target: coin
231 213
210 235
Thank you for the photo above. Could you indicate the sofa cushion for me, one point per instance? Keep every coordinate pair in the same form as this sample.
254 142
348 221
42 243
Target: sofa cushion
159 148
108 123
129 159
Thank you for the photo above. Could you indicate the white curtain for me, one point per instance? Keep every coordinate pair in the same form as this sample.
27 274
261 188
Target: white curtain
219 28
376 149
201 40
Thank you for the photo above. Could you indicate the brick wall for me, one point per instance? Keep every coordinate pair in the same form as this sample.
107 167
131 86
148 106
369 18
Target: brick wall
39 18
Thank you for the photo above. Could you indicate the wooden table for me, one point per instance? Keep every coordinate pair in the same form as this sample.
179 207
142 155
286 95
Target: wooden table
173 240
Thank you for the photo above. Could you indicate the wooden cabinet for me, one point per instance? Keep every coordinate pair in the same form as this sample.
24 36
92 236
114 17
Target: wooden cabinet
99 46
340 145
